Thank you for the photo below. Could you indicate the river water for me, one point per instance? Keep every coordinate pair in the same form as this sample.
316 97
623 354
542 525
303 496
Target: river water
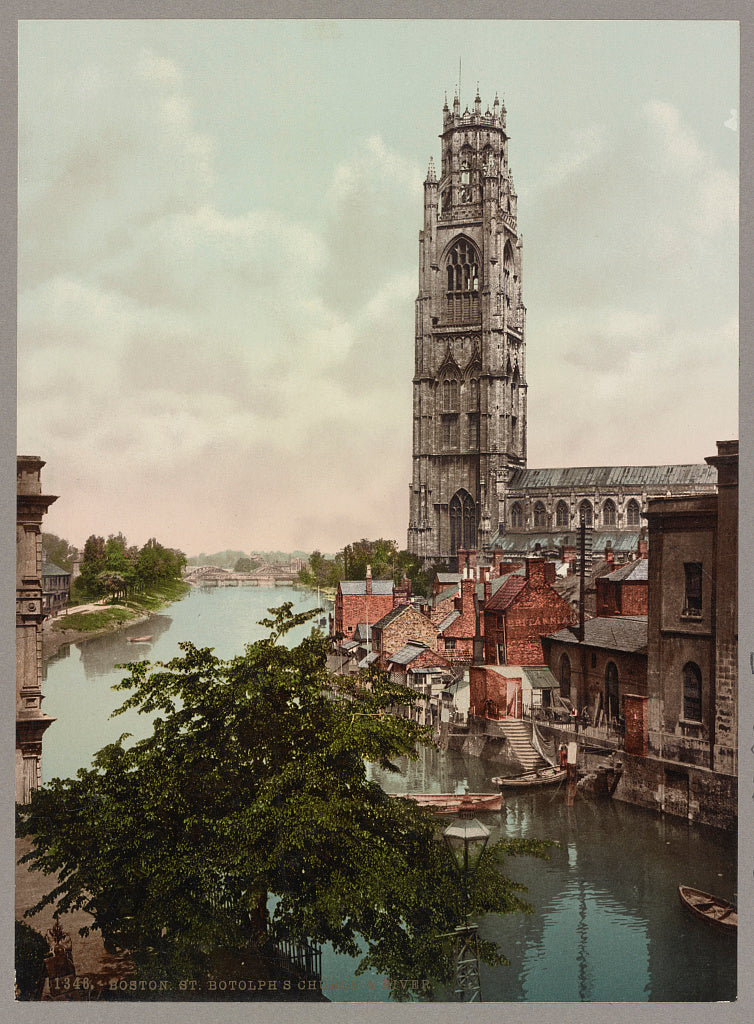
607 923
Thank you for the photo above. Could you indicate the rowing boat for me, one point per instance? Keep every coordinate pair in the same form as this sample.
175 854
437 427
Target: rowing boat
543 777
713 909
453 803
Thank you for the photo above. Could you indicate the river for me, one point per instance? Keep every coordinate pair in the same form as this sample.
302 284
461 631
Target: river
607 923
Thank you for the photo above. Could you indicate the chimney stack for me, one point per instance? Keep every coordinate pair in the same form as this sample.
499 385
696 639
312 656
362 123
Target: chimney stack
369 580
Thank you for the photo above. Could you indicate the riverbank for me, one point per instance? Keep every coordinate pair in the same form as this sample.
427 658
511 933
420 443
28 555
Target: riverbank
83 622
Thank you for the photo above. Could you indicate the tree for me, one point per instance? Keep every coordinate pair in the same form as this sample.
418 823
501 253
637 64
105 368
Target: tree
253 783
246 564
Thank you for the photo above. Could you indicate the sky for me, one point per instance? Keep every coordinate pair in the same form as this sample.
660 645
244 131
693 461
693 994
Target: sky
218 259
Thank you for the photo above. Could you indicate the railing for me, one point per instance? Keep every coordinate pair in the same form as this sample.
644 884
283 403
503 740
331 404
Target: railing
305 956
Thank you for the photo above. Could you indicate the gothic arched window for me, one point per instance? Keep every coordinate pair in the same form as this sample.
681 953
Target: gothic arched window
450 396
585 510
540 515
463 282
632 513
462 522
561 514
473 394
517 515
608 513
692 692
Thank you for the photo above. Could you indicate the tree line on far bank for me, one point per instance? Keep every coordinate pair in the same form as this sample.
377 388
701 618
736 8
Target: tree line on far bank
387 562
114 568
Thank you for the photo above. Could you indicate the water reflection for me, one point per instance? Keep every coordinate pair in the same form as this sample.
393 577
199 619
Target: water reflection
607 924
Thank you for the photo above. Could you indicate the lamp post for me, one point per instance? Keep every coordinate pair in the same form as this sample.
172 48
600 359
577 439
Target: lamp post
466 838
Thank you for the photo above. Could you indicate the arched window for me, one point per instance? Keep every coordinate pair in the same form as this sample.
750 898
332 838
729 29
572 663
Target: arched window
611 690
565 676
561 514
608 513
540 515
517 515
585 510
692 692
450 396
633 513
473 394
463 282
462 522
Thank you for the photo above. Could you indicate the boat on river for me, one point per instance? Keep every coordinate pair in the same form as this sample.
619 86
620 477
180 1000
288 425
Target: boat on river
543 777
139 639
454 803
712 909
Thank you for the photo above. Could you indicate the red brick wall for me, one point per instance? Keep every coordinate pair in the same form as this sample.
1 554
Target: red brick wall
536 611
351 609
637 724
409 625
486 685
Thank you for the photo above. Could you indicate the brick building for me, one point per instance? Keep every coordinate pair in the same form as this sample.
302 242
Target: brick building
360 601
523 609
31 722
457 630
401 625
624 591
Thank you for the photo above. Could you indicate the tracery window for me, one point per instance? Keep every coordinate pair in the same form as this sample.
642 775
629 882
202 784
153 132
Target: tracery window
585 510
450 396
463 282
462 522
473 430
540 515
517 515
608 513
633 513
692 692
561 514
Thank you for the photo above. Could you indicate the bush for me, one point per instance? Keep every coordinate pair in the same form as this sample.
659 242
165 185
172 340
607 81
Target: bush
31 949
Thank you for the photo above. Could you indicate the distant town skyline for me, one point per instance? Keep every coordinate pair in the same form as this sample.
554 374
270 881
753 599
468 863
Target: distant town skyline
218 252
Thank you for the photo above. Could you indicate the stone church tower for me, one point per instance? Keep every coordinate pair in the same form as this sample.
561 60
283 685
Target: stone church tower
469 401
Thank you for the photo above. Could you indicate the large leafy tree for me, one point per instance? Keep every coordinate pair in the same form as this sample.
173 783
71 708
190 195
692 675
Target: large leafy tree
253 785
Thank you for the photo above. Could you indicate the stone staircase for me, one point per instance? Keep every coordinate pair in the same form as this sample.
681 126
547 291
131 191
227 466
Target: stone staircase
518 734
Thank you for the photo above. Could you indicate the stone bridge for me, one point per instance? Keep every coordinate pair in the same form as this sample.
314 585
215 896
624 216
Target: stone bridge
265 576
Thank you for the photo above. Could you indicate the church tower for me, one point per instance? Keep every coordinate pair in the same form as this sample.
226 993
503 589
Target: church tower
469 395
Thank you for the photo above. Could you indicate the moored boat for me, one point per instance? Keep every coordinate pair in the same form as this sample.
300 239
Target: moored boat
454 803
712 909
139 639
542 777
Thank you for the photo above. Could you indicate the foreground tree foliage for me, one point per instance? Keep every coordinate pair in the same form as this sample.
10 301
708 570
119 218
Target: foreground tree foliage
253 785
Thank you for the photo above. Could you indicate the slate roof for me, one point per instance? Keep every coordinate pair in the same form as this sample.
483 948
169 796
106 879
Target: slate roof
539 677
613 632
50 569
511 588
444 595
362 632
636 478
448 621
407 653
620 540
446 578
631 571
388 617
356 588
369 660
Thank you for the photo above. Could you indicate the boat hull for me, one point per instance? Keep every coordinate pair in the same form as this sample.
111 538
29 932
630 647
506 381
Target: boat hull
451 803
713 909
545 777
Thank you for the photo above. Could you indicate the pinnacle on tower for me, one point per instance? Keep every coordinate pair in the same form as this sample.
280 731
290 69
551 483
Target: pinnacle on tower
431 176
